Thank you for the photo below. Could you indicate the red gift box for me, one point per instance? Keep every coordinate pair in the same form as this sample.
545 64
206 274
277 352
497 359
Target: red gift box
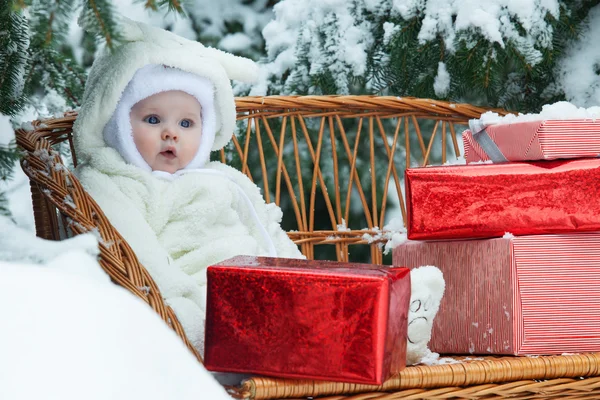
535 140
524 295
488 200
307 319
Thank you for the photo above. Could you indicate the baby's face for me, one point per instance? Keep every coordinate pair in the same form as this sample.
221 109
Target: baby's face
167 128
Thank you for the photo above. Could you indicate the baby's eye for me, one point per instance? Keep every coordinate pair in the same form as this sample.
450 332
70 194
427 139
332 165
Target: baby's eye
186 123
152 119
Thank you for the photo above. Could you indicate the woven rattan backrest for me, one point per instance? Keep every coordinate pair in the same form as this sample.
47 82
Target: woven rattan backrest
371 139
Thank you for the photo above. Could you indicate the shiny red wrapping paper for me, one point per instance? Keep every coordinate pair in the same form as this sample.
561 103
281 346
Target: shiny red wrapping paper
488 200
307 319
524 295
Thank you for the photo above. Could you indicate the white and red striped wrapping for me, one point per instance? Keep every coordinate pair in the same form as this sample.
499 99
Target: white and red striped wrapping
526 295
538 140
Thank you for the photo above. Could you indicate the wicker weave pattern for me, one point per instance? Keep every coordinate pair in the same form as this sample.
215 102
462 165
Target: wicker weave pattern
404 119
468 379
58 197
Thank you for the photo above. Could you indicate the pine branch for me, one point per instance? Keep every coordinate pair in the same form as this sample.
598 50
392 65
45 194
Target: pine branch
19 5
151 5
172 5
14 42
98 18
8 157
51 70
49 21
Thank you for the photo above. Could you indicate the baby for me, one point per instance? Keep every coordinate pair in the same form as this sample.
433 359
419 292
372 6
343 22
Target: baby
152 112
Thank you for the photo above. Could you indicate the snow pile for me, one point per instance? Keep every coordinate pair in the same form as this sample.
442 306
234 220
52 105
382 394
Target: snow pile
493 19
395 234
335 33
441 85
559 110
579 71
20 245
69 333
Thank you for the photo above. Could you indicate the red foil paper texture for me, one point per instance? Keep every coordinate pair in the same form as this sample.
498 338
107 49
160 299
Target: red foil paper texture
307 319
488 200
525 295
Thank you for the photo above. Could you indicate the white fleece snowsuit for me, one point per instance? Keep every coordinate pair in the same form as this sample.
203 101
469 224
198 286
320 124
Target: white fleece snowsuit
177 224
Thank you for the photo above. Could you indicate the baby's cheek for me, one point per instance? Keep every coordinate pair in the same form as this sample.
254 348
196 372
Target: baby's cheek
146 146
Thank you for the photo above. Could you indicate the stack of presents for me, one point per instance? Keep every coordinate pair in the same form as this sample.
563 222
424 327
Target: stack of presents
517 236
515 232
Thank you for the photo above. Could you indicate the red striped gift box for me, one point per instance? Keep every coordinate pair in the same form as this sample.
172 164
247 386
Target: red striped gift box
538 140
525 295
488 200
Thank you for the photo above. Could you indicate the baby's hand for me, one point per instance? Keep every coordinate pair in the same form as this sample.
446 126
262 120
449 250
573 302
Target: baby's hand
427 289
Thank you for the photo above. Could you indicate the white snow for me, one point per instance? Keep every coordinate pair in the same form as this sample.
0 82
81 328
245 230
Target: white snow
236 42
299 24
212 16
389 30
17 189
435 359
395 233
460 160
18 244
579 71
559 110
441 85
491 18
343 227
69 333
6 131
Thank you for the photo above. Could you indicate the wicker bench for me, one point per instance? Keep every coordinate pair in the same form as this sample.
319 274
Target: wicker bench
296 148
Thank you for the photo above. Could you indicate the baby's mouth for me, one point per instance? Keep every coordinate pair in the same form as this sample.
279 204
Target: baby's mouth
170 153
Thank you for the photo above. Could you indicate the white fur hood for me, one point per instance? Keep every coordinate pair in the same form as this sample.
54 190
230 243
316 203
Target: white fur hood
144 45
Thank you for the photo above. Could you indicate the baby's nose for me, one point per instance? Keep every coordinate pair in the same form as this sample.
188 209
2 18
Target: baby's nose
169 133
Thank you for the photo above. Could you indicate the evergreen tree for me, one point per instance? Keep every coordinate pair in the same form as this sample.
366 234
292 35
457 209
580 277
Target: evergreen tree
421 49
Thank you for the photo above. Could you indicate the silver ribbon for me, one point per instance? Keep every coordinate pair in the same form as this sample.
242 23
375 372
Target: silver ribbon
487 144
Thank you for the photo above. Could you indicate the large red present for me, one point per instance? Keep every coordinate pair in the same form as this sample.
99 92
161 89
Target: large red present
532 140
488 200
523 295
307 319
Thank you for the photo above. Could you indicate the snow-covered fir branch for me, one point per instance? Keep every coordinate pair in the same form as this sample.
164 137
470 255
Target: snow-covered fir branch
499 53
